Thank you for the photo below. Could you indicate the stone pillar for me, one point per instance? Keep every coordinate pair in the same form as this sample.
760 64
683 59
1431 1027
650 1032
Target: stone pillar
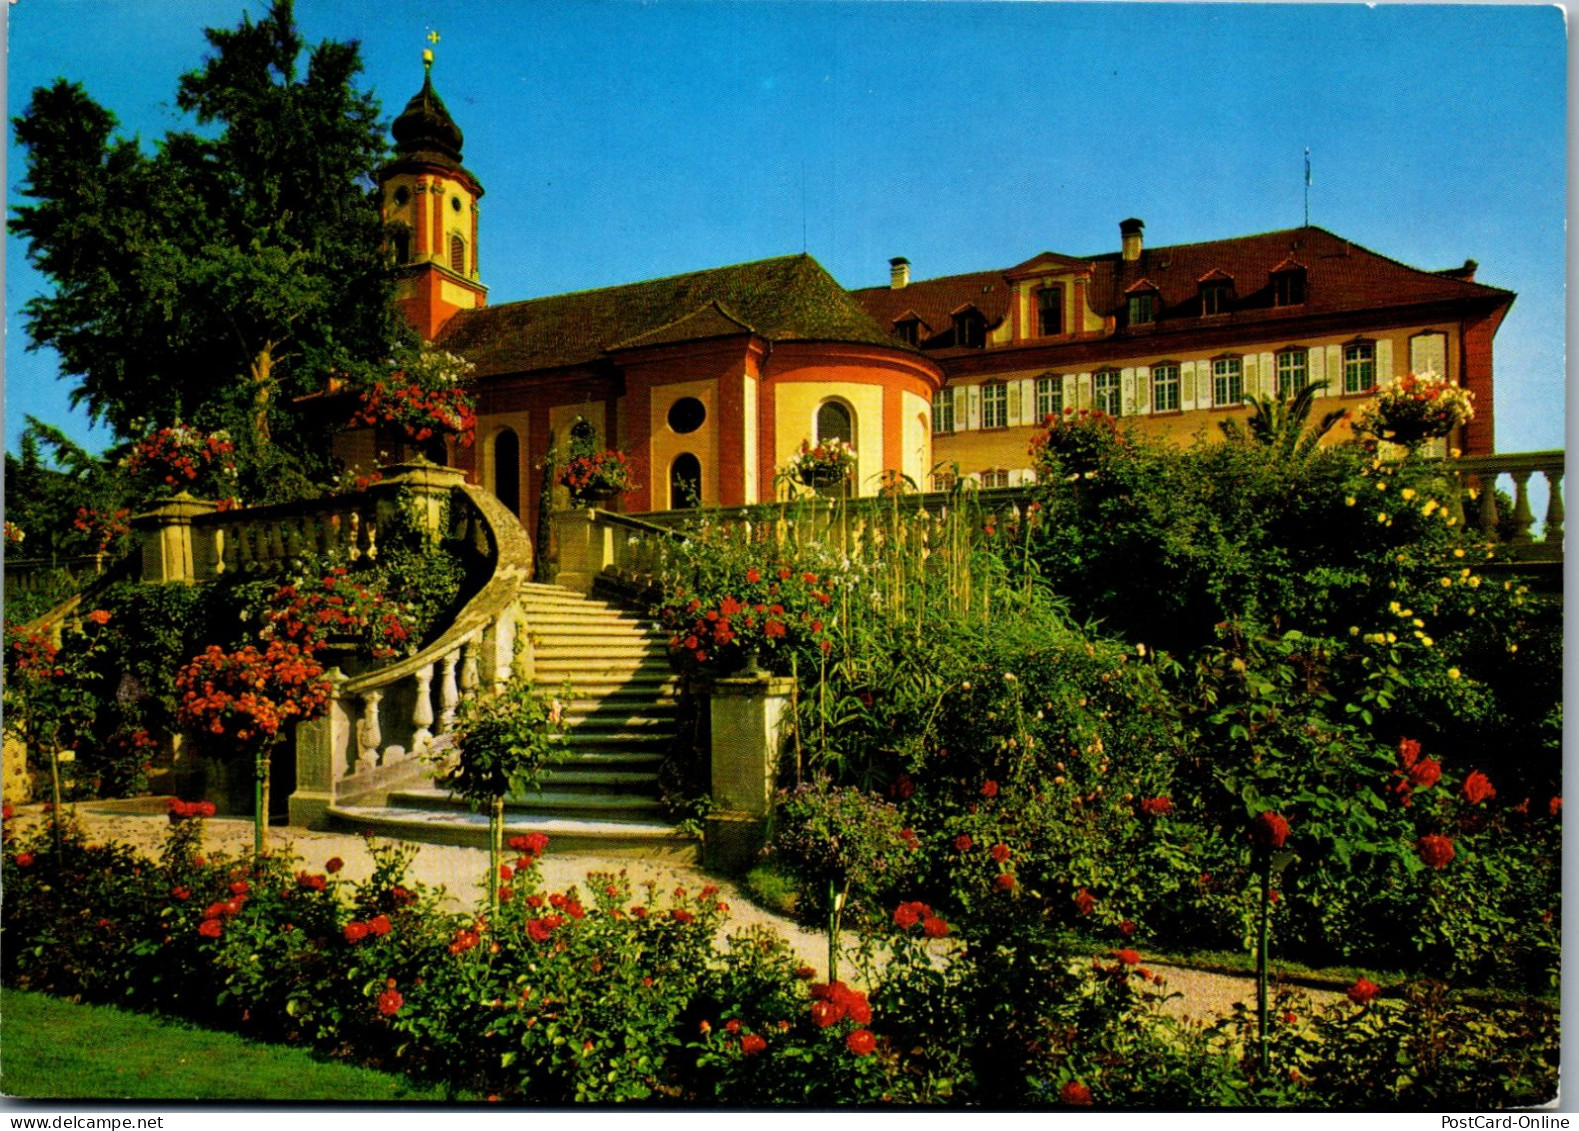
750 717
321 759
429 488
172 550
586 548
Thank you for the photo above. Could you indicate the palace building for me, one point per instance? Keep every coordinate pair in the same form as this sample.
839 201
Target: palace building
711 381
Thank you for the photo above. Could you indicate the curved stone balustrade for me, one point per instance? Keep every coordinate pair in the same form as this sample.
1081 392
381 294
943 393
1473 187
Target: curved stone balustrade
379 725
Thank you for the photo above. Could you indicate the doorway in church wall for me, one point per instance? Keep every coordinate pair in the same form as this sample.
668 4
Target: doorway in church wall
507 470
685 482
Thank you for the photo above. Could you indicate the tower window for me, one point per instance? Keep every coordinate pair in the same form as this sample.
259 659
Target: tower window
457 255
402 245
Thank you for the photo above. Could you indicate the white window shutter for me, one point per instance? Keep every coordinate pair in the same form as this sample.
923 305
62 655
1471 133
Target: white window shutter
1187 387
1384 362
1428 354
1143 388
1028 413
1014 404
1335 369
1014 477
1315 362
973 406
1268 376
1250 371
1069 390
1127 392
957 407
1083 391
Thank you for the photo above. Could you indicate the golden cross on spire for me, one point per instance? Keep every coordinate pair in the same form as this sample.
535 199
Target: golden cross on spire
427 52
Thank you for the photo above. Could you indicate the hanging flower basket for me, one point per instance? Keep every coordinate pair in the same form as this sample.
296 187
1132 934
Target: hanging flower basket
829 462
596 476
1416 408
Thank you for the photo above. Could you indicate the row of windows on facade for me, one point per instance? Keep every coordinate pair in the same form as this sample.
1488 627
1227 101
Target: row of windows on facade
1141 308
1226 387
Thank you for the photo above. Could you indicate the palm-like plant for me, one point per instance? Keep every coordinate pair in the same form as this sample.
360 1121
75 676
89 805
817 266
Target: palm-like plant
1283 427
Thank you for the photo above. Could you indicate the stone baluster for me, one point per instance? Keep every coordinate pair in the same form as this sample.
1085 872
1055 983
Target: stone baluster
1486 517
422 712
291 539
244 553
469 677
1552 529
369 539
1523 517
369 734
226 561
449 691
351 534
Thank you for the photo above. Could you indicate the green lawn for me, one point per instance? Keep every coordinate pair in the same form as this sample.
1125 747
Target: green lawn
50 1049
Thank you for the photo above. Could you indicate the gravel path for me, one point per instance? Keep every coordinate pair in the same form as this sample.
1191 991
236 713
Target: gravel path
461 871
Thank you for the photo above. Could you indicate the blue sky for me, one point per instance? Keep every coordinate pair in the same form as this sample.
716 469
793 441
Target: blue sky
619 141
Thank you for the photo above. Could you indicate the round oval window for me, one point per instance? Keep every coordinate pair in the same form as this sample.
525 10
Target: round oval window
687 415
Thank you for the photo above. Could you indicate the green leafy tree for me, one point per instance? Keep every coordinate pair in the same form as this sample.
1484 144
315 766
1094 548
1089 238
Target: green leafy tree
231 269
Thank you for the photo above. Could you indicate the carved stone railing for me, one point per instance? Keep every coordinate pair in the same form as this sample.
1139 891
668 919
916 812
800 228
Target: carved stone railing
380 727
1479 478
600 546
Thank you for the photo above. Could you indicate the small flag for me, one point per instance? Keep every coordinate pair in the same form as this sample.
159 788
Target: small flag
1307 164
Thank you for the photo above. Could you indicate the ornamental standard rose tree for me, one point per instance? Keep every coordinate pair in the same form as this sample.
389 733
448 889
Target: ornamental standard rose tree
243 702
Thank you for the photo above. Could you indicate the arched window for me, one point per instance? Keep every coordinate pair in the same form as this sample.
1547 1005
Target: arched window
457 255
507 470
685 482
834 423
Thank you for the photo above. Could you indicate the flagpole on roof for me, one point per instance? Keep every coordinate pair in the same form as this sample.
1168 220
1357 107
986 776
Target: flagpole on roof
1307 186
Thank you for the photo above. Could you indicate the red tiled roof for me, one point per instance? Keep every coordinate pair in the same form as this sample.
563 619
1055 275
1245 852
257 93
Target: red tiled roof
934 301
1340 277
788 299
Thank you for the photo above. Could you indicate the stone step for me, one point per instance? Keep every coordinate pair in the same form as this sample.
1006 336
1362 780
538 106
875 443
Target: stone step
567 835
592 649
577 738
577 776
578 801
647 761
637 717
638 672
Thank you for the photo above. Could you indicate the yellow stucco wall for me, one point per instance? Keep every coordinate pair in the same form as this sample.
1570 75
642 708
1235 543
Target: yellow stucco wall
976 450
795 420
667 444
916 456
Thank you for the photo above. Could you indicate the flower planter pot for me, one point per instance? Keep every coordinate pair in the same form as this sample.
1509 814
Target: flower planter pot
821 476
601 493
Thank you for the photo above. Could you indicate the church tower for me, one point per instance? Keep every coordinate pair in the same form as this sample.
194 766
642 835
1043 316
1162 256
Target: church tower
431 199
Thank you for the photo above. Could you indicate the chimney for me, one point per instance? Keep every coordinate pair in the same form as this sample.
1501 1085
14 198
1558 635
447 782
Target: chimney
899 273
1129 231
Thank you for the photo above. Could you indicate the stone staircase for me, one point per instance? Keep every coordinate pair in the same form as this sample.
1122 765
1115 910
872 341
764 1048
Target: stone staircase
621 721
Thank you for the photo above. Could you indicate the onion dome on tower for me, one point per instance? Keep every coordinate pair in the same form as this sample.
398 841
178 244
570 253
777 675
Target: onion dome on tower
431 206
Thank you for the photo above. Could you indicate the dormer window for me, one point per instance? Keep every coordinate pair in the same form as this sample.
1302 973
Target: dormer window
1050 311
1215 297
1288 285
1143 308
908 331
970 329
